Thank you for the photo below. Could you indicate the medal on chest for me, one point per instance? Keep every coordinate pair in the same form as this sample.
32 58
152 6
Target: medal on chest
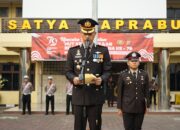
98 57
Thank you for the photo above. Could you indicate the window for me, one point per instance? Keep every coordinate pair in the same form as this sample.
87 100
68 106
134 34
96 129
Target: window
32 74
171 13
19 12
11 75
10 72
54 67
178 13
174 77
3 11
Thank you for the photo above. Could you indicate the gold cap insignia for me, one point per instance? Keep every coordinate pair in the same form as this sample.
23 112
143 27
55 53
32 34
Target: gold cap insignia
87 24
133 54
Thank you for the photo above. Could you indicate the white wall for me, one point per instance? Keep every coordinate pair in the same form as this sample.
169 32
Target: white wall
83 8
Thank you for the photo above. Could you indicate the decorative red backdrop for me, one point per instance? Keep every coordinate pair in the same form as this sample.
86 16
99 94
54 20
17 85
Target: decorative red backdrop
54 46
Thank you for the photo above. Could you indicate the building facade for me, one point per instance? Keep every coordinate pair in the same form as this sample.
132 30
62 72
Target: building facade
15 46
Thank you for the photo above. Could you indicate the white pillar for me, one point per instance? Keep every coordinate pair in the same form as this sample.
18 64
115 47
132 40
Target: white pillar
38 81
95 16
164 79
24 69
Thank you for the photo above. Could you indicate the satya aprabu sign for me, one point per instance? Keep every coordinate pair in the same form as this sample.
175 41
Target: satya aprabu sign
105 25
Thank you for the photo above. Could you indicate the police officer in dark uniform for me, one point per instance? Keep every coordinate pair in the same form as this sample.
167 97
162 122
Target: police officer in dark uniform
133 93
88 96
110 92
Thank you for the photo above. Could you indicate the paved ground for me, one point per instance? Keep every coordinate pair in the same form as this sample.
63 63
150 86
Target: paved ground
62 122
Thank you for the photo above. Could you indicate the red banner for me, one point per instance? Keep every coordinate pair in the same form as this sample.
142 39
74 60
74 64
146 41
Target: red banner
54 46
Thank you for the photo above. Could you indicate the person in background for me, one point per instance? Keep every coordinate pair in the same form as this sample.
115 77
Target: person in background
69 88
110 92
50 89
26 94
153 90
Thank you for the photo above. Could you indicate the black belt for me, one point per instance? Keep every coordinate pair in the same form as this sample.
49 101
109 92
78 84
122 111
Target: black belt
26 94
87 85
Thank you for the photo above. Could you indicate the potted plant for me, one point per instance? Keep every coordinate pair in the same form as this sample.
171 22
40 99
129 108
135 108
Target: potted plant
2 80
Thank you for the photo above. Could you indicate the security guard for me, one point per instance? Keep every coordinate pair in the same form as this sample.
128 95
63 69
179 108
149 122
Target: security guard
50 89
26 94
88 98
133 93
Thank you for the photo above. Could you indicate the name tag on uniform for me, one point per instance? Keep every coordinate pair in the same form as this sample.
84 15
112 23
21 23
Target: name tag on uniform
98 57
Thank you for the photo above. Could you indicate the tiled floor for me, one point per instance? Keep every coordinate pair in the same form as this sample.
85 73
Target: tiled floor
110 121
60 108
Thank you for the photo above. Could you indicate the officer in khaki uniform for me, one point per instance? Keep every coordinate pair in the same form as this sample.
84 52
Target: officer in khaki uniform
26 94
88 97
133 93
50 89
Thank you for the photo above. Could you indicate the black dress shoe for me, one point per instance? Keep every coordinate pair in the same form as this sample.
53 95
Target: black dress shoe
46 113
52 113
23 113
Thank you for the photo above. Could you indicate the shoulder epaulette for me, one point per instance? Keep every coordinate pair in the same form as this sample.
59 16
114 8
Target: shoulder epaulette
123 71
74 47
101 46
141 70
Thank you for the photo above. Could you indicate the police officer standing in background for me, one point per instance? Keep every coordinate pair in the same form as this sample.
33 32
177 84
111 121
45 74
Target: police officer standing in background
88 98
69 87
50 89
110 92
133 93
26 97
153 88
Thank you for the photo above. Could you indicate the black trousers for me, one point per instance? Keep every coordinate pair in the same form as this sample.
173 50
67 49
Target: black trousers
92 114
68 103
110 101
50 99
133 121
26 99
153 95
